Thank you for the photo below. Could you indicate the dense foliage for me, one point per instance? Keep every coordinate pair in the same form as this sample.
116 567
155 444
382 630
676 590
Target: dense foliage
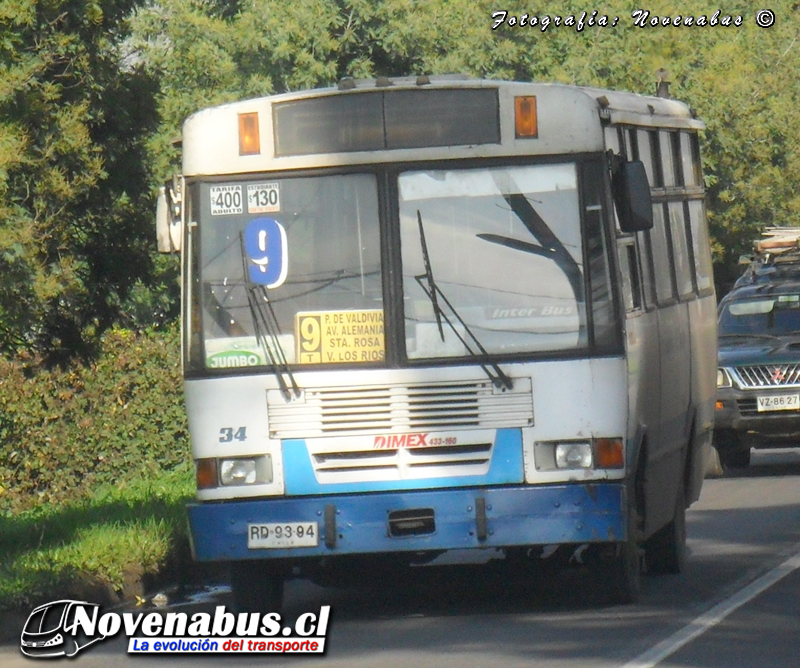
74 188
66 432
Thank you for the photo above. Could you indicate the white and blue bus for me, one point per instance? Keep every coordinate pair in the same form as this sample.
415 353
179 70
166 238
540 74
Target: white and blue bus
438 313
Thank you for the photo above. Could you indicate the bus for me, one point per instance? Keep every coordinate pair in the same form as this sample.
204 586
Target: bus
430 314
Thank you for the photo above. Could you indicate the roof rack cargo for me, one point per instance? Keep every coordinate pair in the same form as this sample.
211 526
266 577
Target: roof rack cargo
775 256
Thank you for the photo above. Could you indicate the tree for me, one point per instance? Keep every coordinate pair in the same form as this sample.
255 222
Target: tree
73 183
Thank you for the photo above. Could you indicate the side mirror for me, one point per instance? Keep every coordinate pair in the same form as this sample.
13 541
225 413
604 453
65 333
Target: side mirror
169 221
632 196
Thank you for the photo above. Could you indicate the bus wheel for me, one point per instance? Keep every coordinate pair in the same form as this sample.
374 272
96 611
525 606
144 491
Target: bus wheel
256 586
665 550
621 576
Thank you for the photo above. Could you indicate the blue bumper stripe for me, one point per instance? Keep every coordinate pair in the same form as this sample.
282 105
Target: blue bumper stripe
531 515
506 468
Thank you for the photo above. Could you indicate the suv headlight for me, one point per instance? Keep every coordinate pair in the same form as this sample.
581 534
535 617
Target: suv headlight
723 378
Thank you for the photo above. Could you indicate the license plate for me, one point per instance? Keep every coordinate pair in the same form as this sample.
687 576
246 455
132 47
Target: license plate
779 402
276 535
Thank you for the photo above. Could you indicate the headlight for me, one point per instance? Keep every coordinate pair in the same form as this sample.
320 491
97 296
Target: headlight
55 640
237 471
723 378
245 471
577 455
234 472
597 453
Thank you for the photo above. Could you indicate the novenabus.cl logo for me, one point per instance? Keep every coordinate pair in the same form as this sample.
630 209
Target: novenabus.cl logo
62 628
54 629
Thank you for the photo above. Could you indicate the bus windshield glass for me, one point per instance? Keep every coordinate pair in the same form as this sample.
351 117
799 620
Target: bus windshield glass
503 248
308 249
288 271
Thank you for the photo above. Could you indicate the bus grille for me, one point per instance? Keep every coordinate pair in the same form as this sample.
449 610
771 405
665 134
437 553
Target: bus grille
767 375
356 411
368 464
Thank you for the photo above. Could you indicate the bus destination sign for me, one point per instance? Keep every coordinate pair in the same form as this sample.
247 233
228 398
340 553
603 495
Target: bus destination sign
335 337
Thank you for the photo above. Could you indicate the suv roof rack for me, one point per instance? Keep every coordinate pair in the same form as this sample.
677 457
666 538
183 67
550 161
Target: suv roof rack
775 256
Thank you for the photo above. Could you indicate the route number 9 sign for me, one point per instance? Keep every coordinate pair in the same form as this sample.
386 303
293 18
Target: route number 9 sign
267 256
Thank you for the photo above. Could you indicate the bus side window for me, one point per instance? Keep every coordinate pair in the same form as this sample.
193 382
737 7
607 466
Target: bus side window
655 155
702 258
631 282
690 156
613 139
646 255
615 142
667 164
662 256
677 158
632 146
645 154
680 248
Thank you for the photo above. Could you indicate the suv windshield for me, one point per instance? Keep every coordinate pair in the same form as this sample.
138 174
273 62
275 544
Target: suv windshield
774 315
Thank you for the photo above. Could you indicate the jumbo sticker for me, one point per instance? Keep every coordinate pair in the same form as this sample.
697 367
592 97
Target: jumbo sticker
267 254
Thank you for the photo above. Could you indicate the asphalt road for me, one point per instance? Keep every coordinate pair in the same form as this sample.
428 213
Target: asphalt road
735 606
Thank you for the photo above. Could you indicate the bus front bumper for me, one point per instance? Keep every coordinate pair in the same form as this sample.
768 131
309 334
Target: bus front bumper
416 521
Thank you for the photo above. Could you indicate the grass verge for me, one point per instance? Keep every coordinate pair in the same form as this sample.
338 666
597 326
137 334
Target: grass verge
107 546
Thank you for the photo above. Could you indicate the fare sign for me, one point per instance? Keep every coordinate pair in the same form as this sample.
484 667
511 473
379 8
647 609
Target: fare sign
336 337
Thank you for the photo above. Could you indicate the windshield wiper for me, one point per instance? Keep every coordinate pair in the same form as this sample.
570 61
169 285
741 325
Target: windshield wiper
265 324
432 289
434 293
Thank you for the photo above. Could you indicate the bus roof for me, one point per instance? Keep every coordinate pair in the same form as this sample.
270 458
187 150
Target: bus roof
567 117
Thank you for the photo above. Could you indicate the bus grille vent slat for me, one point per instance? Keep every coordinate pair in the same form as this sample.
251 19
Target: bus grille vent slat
400 463
399 409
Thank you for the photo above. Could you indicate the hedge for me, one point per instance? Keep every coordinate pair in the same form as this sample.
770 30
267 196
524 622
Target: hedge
66 432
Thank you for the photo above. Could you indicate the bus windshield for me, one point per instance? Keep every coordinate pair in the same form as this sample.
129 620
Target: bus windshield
312 243
504 245
503 266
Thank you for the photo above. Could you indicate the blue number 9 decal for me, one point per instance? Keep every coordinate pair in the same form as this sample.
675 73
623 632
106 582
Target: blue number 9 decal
265 245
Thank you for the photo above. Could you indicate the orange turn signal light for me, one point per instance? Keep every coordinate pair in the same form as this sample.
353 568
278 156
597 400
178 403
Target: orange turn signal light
525 121
206 473
249 140
609 453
